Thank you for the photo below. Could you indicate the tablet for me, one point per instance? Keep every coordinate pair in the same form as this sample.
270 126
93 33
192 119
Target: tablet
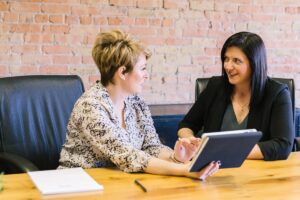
229 147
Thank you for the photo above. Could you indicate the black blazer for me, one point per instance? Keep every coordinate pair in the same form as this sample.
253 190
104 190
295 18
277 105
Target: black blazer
273 116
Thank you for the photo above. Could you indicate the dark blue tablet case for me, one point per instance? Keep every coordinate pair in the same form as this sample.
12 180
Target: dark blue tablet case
230 149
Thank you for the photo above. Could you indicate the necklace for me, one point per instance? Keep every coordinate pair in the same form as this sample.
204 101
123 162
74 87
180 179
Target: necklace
243 107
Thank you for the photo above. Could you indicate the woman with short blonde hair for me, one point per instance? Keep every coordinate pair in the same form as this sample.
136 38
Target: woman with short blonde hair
112 126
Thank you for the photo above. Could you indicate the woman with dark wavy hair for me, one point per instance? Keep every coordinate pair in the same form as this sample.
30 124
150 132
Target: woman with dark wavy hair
245 97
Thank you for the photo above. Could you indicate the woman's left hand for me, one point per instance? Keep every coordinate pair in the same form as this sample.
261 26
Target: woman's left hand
186 148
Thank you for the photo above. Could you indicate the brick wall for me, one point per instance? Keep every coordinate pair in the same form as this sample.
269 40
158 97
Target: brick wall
185 36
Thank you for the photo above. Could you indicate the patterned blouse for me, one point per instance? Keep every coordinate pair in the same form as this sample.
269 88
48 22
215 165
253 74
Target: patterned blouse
95 137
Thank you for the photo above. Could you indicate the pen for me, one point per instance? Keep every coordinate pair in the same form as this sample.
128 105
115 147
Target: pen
140 184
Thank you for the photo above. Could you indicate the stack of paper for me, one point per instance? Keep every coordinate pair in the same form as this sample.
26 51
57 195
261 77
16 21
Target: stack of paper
64 181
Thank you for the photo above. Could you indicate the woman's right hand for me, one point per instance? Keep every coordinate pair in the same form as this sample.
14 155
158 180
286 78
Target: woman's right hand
205 172
186 148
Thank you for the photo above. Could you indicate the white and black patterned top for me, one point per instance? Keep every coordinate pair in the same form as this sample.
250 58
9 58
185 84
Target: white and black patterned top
95 137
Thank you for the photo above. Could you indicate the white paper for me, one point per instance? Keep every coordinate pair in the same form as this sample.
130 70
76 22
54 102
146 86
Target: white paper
64 181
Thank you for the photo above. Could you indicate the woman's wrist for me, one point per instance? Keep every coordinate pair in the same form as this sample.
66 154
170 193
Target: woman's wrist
174 159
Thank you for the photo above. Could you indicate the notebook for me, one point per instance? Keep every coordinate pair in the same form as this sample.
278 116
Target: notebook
62 181
229 147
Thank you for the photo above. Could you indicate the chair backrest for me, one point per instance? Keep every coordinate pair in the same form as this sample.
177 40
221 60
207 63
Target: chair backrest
201 84
34 112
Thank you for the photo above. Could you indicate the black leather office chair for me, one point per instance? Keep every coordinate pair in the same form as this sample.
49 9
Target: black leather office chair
34 112
201 84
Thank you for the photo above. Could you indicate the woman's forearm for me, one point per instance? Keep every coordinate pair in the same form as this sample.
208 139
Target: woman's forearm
164 167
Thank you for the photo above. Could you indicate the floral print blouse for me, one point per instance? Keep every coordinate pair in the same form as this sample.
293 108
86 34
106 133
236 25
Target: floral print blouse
95 137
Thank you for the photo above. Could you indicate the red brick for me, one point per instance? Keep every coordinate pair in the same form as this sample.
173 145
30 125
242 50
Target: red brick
60 1
136 12
141 21
149 4
100 21
4 6
203 60
168 22
84 10
171 41
26 18
56 49
212 69
202 5
291 10
85 20
56 19
16 39
25 49
97 2
212 51
56 8
263 18
10 59
175 4
114 21
56 28
4 49
143 31
249 9
25 28
152 40
72 19
87 60
4 70
23 70
41 18
155 22
25 7
127 3
193 32
271 9
10 17
45 59
226 7
47 38
53 70
66 59
127 20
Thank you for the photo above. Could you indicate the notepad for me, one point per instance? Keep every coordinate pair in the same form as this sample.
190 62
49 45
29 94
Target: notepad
62 181
229 147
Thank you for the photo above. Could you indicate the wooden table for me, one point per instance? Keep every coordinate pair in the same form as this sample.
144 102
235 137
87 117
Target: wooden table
254 180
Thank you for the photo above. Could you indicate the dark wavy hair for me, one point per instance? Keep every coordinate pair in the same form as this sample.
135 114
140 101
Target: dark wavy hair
253 47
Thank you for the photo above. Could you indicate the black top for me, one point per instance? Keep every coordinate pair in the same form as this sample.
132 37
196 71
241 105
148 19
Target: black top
273 116
230 122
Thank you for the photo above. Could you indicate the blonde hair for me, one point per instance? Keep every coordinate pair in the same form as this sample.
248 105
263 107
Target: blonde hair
114 49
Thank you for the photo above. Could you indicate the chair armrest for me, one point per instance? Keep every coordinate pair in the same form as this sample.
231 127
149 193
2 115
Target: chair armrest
12 163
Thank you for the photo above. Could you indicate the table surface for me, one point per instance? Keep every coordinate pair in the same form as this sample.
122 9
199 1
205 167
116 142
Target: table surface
253 180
